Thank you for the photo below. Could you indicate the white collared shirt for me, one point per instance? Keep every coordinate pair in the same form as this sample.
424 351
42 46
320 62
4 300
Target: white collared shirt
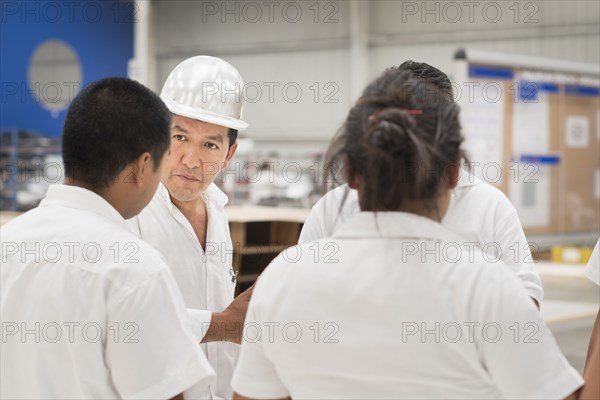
478 211
203 275
89 310
592 269
392 307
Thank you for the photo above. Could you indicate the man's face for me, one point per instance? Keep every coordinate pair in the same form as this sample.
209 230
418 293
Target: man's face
199 151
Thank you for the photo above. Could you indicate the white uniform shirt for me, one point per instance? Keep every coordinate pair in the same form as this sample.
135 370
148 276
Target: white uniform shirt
478 212
203 275
89 311
592 269
393 308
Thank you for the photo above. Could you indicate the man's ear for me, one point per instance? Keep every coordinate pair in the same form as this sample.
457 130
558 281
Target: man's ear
140 168
230 155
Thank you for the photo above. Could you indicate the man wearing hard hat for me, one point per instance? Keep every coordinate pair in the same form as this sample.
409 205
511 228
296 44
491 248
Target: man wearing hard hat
186 221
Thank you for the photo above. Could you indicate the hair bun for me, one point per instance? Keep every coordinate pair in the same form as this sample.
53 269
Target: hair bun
390 130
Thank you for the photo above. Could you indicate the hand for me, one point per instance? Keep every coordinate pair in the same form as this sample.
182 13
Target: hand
228 325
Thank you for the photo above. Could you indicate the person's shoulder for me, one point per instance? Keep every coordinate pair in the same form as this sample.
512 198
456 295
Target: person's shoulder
146 251
468 267
22 220
473 189
340 192
297 259
104 246
89 243
130 261
339 201
331 210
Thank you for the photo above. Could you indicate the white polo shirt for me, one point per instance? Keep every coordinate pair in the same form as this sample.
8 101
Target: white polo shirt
203 275
592 269
393 308
89 311
478 211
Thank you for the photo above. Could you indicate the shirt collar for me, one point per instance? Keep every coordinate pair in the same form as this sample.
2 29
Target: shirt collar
163 193
210 195
214 194
394 224
81 199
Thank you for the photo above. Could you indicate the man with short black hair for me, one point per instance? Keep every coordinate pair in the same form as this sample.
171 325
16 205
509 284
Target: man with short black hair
95 150
90 310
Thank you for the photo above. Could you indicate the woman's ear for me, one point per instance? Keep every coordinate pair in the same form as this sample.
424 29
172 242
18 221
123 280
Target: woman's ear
353 178
351 173
452 173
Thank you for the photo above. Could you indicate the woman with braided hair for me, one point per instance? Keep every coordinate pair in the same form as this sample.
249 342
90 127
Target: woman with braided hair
394 305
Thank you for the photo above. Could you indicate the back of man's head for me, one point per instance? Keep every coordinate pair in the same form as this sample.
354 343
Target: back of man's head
108 125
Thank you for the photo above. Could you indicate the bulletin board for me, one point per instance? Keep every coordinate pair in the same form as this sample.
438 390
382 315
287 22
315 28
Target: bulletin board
538 120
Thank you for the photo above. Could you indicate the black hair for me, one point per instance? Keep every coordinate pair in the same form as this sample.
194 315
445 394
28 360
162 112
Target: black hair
232 134
400 138
430 74
108 125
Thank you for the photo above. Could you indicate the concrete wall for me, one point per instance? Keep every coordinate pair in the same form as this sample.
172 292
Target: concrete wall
306 43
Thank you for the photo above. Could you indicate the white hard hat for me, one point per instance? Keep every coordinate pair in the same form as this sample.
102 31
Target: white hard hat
207 89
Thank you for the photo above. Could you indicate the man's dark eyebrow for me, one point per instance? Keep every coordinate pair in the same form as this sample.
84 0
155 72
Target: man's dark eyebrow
216 138
178 128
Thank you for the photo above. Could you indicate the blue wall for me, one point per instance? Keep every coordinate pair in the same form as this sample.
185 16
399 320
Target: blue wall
100 32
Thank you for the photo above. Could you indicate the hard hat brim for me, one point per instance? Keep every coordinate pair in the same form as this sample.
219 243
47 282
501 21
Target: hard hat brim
206 116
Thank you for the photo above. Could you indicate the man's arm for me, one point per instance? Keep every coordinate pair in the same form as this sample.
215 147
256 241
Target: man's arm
591 373
228 325
165 359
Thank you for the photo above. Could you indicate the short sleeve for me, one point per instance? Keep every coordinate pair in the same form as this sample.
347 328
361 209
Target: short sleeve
329 213
150 349
516 347
592 269
199 322
255 375
313 228
510 237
